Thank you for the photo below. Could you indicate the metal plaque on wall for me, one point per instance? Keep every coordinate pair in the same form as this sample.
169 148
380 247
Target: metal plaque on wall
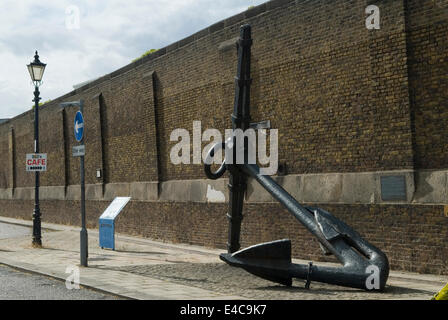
393 188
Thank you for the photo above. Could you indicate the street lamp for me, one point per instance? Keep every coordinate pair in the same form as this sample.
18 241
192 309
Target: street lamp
36 70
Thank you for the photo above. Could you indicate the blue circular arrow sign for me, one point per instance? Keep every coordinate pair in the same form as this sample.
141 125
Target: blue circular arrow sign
79 126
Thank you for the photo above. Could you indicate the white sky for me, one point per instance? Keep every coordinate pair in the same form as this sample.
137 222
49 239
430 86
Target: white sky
111 34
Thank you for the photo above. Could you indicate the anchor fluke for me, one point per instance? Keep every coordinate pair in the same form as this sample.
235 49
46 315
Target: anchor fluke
270 261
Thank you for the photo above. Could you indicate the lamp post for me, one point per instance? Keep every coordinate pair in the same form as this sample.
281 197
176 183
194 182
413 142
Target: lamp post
36 70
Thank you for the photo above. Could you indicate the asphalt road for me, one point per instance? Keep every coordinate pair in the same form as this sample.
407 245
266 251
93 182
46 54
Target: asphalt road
18 285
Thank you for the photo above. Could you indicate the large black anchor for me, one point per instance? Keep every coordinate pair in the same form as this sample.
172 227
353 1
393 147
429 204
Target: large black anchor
362 264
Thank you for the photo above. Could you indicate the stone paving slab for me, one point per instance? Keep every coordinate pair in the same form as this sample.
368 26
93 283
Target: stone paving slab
146 269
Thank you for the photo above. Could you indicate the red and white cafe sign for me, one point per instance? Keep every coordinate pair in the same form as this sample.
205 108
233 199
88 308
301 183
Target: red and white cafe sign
36 162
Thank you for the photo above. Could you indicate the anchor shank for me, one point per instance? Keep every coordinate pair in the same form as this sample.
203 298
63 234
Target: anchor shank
301 213
240 120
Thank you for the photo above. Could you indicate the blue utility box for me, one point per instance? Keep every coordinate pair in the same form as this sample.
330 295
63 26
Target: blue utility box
107 222
107 233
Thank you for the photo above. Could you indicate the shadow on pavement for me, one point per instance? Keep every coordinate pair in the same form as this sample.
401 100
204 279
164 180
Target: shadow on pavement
140 252
396 291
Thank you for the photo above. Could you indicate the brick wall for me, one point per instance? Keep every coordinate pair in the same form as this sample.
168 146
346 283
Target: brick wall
337 92
51 142
4 157
345 99
428 82
23 144
129 140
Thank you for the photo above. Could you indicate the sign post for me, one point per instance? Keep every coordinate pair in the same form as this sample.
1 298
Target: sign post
79 151
79 135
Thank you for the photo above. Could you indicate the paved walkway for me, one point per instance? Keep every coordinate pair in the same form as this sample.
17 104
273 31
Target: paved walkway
144 269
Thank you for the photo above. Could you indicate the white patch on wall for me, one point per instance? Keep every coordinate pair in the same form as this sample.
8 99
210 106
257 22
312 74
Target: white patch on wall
215 195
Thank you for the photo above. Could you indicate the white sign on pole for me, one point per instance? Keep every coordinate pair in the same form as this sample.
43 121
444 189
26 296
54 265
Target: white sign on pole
115 208
79 151
36 162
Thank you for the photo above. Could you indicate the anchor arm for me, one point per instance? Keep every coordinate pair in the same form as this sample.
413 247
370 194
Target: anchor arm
353 252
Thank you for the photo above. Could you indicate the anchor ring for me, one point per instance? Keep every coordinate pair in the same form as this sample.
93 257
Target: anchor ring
208 160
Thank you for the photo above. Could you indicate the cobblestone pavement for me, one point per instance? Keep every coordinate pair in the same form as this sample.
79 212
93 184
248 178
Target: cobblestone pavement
222 278
146 269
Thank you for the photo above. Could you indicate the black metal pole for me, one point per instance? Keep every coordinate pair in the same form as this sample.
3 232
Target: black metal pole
37 238
83 233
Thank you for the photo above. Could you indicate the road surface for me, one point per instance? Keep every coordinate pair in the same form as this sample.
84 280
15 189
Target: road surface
18 285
